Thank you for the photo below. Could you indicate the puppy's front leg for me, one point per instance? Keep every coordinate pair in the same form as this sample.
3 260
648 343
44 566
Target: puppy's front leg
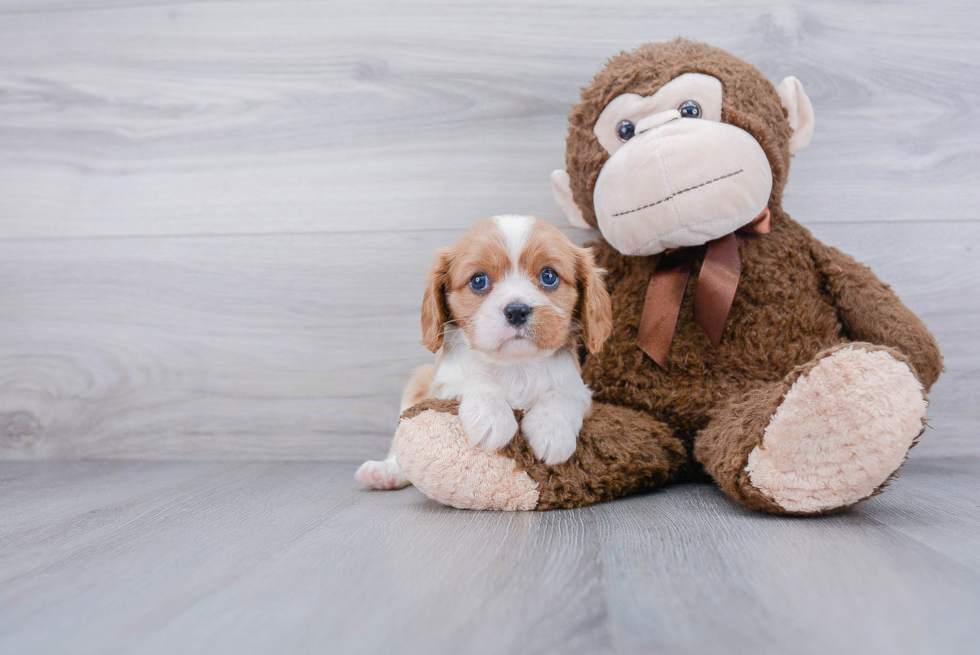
552 425
487 417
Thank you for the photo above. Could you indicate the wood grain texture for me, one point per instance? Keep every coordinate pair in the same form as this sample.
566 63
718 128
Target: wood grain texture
216 218
295 347
269 117
850 583
215 557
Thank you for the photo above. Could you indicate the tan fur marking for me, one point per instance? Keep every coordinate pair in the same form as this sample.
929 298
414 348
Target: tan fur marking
448 295
481 250
418 385
595 306
435 310
547 247
548 328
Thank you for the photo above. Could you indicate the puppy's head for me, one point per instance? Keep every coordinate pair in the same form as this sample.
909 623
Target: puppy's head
517 287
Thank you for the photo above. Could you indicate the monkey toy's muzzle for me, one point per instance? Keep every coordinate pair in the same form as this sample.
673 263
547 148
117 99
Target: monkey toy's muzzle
680 182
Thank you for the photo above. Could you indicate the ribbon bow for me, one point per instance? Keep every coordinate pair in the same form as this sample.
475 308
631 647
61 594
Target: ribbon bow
716 285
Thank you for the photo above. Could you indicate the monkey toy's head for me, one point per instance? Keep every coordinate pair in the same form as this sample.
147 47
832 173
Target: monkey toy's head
677 144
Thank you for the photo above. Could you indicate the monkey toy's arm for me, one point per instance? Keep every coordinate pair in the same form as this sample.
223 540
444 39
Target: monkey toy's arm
870 311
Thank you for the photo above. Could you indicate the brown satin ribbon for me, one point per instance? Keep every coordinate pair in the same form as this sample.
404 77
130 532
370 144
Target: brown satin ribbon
716 285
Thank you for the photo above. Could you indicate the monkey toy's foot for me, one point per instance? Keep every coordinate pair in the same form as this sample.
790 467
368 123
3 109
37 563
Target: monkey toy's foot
433 451
842 429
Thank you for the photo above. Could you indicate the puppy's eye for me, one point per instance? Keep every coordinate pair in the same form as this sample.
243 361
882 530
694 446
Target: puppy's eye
690 109
549 278
625 130
480 282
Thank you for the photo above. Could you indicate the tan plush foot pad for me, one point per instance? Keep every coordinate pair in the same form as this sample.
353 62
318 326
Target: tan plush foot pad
840 432
435 456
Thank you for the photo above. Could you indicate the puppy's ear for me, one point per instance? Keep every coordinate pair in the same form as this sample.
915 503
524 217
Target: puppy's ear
435 309
595 307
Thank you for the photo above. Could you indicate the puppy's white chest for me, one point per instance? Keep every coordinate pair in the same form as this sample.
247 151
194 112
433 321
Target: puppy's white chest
523 382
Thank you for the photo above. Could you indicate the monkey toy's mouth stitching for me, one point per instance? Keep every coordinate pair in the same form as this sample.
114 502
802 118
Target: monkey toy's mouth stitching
674 195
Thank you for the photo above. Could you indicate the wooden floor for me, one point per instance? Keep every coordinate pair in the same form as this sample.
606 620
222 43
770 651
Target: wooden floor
293 557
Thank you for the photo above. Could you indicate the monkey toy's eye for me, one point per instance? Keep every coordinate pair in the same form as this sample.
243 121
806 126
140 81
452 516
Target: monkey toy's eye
625 130
690 109
480 282
549 278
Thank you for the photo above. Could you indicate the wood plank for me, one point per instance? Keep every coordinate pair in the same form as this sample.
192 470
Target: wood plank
54 508
230 347
112 562
205 557
933 502
268 117
691 572
296 347
296 558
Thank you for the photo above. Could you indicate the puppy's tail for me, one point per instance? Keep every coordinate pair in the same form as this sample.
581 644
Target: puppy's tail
418 385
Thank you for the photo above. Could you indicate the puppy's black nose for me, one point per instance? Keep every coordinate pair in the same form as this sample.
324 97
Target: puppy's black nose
517 313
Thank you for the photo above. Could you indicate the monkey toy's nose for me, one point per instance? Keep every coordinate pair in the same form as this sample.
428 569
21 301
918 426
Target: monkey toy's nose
657 120
517 313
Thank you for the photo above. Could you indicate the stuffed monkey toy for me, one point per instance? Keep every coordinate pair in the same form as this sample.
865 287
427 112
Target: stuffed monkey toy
743 349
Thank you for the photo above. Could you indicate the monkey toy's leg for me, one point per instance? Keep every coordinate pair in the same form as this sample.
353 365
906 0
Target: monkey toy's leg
620 451
829 435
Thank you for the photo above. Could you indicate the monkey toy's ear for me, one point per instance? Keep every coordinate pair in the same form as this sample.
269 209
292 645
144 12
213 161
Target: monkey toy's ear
799 110
560 184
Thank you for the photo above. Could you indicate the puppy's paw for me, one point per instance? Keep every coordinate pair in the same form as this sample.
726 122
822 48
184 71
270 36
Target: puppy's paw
381 475
487 421
551 434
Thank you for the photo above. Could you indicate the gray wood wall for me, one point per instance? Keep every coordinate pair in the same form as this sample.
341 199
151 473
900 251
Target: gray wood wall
216 217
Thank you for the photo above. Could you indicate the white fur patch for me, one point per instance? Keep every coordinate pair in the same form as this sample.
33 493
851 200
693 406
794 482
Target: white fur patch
841 430
515 229
521 380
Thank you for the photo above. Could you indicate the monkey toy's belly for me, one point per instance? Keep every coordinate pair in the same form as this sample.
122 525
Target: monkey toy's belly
780 318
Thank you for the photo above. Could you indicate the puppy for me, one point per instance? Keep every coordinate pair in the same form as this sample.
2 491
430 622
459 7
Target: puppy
504 311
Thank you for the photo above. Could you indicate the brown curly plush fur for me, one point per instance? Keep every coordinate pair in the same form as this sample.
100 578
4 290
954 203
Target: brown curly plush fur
797 300
644 456
788 308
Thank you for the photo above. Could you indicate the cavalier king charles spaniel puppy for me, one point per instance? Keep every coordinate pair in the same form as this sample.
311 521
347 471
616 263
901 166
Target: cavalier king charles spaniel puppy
504 310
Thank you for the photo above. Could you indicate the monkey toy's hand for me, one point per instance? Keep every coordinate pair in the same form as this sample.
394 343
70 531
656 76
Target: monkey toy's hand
488 420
